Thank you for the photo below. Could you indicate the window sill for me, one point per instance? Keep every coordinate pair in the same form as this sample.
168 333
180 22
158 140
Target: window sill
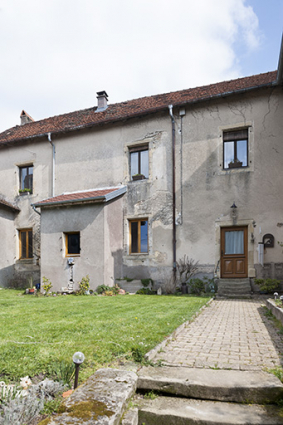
25 260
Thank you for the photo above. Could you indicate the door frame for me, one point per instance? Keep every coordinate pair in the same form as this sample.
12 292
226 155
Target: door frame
234 257
251 253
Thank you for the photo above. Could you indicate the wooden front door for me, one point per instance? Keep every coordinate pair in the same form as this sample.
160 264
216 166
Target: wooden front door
234 252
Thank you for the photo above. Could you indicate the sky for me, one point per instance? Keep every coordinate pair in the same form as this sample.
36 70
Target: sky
56 54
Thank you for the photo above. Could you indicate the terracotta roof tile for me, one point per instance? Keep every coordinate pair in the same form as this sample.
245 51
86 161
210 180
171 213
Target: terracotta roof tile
9 205
84 196
132 108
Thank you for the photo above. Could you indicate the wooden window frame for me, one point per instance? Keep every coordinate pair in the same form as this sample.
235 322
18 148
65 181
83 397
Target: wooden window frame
235 136
26 231
67 254
21 168
139 235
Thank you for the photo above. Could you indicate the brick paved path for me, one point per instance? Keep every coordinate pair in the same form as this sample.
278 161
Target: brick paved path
228 334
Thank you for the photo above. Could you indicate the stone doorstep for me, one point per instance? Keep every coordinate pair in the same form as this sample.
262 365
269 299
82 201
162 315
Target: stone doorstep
177 411
101 400
208 384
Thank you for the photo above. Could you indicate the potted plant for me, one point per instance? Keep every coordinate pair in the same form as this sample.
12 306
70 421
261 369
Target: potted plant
24 191
138 177
235 163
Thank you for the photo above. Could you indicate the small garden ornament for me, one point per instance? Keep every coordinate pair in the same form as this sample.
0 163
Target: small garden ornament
275 295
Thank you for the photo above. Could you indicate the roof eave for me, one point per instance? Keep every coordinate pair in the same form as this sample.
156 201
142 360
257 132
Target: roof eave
151 111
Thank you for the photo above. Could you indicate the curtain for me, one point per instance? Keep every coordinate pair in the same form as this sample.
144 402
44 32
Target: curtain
234 242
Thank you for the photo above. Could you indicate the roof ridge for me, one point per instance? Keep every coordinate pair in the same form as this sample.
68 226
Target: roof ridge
88 117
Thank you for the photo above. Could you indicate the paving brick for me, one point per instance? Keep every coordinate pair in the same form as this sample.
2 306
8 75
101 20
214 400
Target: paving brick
232 333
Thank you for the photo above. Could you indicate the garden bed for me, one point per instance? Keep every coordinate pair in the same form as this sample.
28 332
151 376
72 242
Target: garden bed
275 310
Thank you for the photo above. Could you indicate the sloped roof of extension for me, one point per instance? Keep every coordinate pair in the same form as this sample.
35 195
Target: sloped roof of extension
133 108
83 197
7 204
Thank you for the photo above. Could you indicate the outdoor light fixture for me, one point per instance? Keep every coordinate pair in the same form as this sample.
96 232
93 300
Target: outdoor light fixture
275 295
234 213
78 359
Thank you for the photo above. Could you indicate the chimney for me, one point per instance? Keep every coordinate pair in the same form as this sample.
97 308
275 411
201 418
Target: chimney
25 118
102 98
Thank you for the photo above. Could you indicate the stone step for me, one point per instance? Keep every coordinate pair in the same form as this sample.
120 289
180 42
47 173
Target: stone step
234 296
235 290
234 285
234 281
208 384
177 411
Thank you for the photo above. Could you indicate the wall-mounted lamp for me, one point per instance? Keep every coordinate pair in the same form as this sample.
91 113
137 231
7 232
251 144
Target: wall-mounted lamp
78 359
234 213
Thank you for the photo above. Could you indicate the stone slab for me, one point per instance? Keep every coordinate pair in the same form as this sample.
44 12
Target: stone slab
276 311
175 411
101 400
208 384
131 417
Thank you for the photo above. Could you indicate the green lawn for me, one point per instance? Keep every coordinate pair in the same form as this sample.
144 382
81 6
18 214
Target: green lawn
37 331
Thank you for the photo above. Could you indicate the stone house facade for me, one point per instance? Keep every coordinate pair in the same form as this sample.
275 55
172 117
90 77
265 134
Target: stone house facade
127 189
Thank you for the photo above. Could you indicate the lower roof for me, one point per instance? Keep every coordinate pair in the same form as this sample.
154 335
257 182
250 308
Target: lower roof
87 196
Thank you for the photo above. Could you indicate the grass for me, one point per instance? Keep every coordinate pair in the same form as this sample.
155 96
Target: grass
37 332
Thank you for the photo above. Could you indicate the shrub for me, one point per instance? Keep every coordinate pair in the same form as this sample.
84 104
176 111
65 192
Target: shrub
197 286
145 291
102 288
147 282
84 285
267 285
186 267
47 285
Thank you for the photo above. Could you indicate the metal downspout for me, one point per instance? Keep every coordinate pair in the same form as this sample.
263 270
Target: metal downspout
173 190
53 164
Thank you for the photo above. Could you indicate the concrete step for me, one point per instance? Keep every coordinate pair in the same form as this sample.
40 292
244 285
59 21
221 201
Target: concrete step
235 290
234 281
177 411
208 384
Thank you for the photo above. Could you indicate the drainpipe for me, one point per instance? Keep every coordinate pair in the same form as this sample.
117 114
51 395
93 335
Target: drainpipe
173 190
33 207
53 164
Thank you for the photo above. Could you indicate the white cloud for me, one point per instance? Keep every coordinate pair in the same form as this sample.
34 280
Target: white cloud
55 54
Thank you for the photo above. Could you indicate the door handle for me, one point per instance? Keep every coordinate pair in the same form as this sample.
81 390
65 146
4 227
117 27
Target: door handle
221 252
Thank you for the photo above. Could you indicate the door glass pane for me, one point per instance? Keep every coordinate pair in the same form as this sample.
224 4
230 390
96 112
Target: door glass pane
242 153
24 244
234 242
144 163
134 236
228 153
30 253
143 236
134 163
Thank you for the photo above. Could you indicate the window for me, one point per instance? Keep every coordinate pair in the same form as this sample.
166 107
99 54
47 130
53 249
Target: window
139 162
26 178
26 244
138 236
235 150
72 241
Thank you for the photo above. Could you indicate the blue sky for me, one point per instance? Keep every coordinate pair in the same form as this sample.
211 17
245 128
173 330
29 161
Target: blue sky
56 54
265 57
